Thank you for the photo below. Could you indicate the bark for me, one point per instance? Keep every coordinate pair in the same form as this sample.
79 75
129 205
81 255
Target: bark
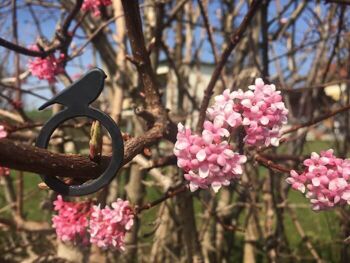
135 192
222 244
119 80
32 159
71 253
164 237
192 248
99 41
250 237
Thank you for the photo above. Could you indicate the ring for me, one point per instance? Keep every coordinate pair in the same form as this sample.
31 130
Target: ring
117 150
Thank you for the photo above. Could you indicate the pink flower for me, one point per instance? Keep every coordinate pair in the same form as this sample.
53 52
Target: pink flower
71 222
207 160
46 68
94 5
109 225
76 76
260 110
263 113
325 181
284 20
3 132
4 171
222 113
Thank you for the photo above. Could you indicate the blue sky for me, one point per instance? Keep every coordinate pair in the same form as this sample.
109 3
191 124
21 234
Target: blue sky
48 19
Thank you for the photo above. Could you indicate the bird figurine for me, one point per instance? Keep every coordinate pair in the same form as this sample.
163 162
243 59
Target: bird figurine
76 99
82 92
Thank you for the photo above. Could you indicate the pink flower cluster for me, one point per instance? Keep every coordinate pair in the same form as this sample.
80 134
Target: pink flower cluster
207 160
325 180
223 112
80 221
46 68
94 5
260 110
3 132
108 226
71 222
4 171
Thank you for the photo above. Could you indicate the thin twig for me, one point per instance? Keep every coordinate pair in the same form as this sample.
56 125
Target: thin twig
169 194
316 120
235 39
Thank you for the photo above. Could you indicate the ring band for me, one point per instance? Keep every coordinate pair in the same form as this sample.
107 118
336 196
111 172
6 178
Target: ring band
117 150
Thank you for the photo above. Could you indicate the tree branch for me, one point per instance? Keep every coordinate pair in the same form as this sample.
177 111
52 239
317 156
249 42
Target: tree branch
316 120
235 39
63 40
71 16
270 164
36 160
140 53
209 30
23 50
342 2
146 73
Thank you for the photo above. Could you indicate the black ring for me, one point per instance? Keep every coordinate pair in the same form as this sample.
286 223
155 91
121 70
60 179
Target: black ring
117 150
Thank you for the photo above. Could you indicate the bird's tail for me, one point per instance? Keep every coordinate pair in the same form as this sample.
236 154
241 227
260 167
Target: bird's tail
46 104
